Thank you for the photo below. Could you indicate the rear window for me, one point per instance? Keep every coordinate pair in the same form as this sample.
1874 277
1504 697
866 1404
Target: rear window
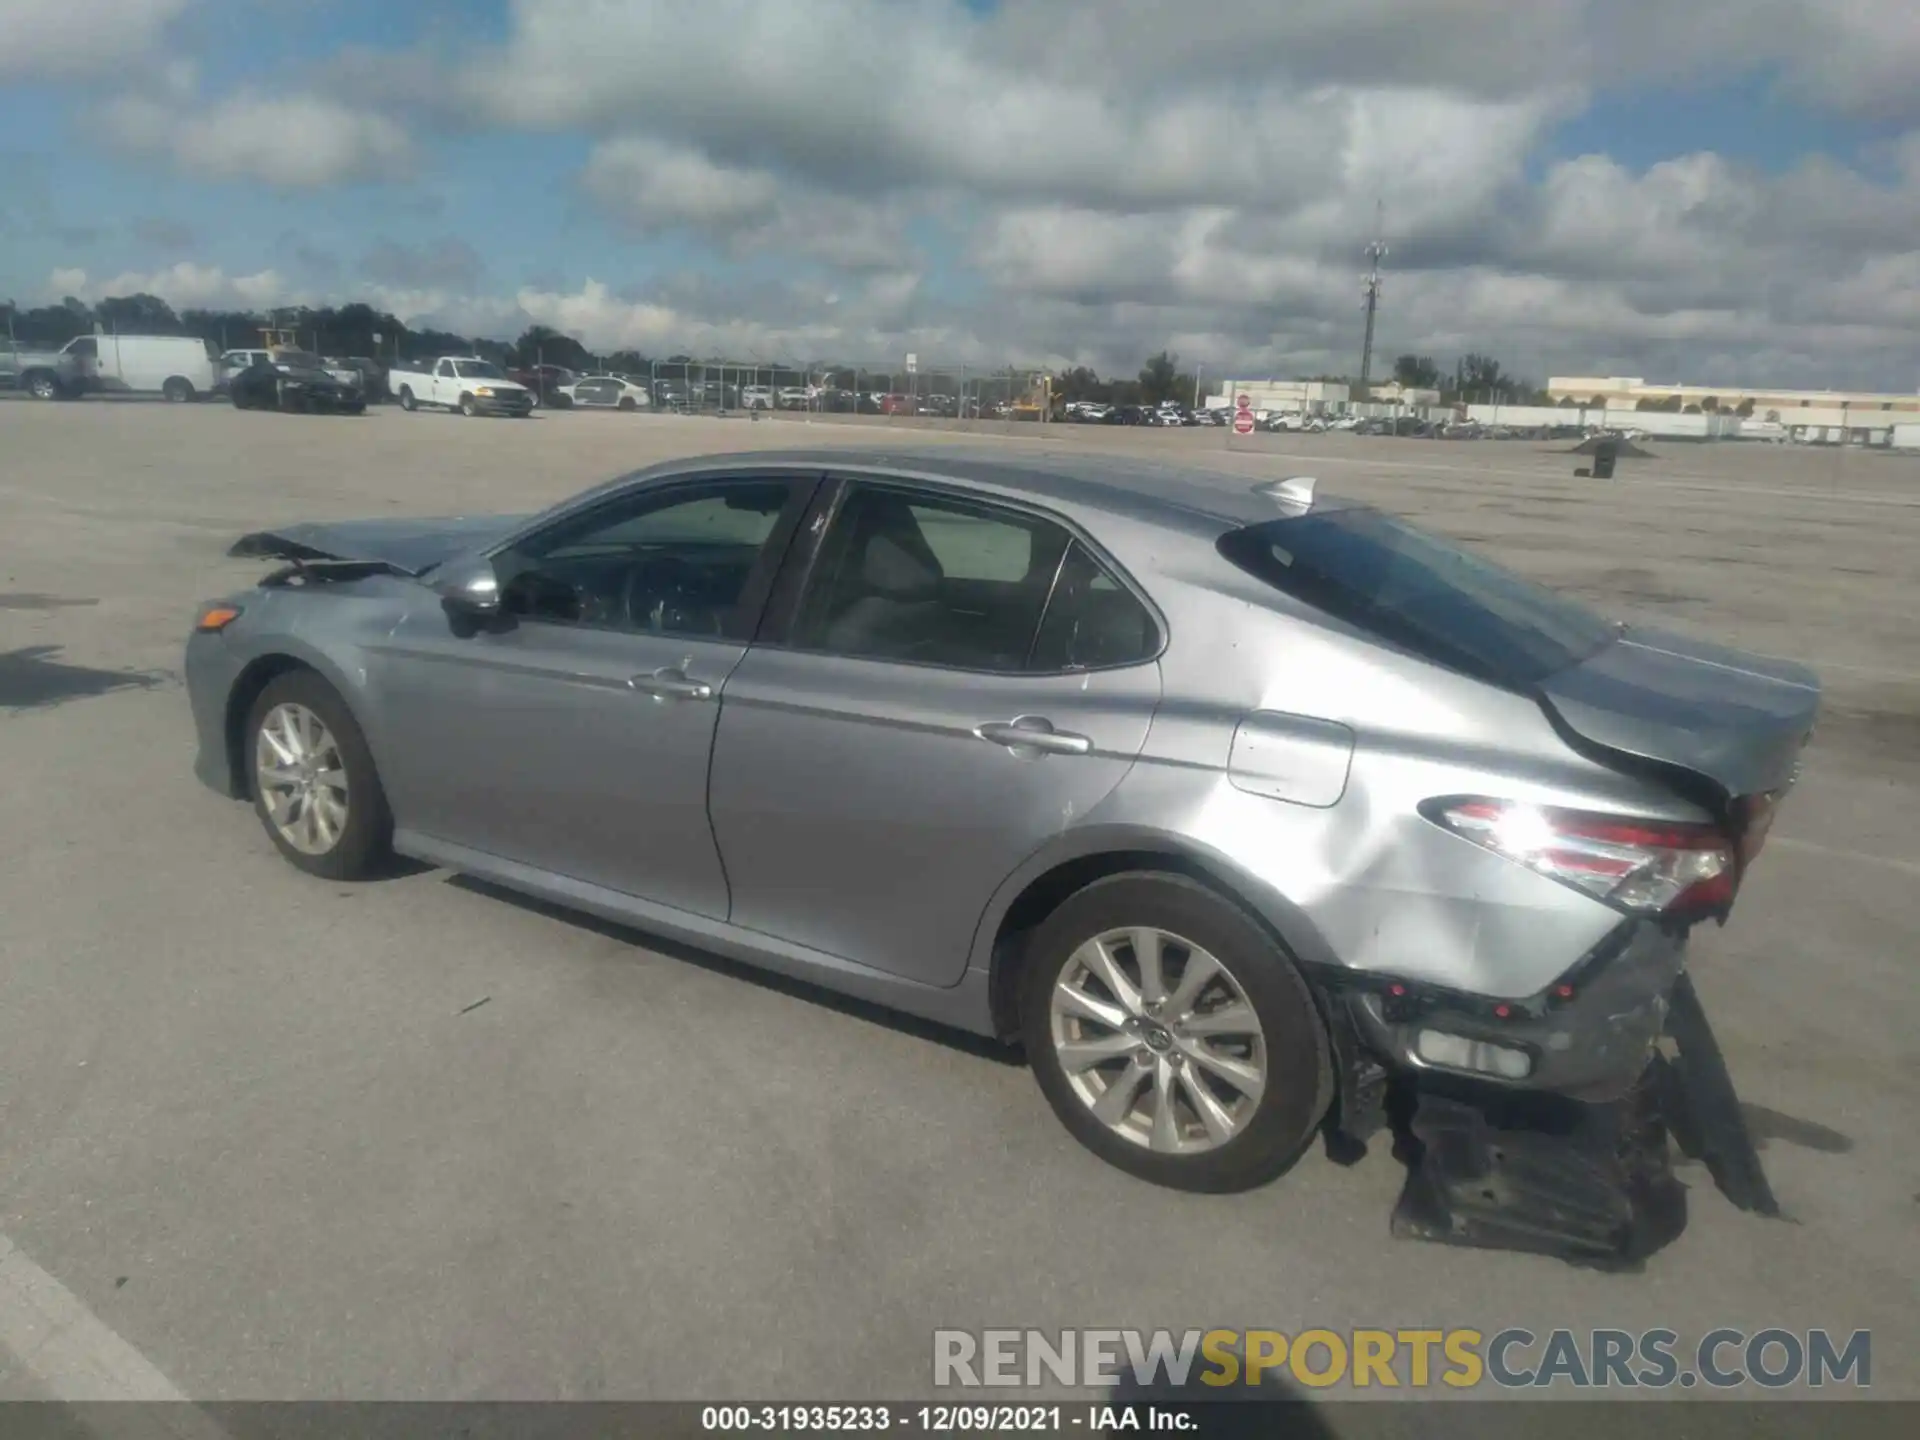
1414 590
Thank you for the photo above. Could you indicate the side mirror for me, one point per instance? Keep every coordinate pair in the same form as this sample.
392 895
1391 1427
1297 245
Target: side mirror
468 586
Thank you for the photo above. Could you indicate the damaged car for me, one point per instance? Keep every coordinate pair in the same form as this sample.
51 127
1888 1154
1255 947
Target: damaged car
1252 813
296 382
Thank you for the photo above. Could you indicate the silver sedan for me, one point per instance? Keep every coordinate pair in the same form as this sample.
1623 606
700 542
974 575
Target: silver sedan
1233 804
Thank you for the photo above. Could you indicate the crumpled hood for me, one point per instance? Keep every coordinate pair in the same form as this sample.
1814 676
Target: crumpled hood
406 543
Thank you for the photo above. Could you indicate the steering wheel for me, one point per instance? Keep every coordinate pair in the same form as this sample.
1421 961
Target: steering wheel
671 585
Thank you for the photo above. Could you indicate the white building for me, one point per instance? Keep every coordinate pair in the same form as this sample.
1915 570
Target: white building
1852 409
1288 397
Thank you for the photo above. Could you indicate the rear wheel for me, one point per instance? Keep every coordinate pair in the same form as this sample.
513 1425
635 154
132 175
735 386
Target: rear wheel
407 401
43 386
178 390
626 402
314 785
1172 1036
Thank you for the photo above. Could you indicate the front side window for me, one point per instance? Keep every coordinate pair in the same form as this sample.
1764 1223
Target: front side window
667 562
927 579
1412 589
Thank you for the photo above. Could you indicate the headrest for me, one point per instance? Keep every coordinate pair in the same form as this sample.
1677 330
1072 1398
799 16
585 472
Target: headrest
891 568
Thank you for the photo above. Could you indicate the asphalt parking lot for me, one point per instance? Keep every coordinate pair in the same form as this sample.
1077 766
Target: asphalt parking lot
416 1140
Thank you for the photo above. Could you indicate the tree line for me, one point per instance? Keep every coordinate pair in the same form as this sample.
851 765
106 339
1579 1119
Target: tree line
358 329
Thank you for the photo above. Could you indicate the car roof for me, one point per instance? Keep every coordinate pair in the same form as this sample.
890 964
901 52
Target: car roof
1180 496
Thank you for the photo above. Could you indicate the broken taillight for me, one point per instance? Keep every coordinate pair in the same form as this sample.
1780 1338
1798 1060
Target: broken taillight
1648 867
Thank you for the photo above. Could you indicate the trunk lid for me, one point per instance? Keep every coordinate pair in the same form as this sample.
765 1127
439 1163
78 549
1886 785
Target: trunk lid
1731 717
412 545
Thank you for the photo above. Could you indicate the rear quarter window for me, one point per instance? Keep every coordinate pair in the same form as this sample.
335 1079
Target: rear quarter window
1414 590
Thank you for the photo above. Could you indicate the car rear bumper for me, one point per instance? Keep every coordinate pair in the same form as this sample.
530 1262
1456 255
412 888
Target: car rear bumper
1588 1037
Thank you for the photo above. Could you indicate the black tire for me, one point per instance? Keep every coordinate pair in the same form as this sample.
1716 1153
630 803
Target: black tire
407 402
1299 1078
626 402
467 407
43 386
237 398
363 847
178 390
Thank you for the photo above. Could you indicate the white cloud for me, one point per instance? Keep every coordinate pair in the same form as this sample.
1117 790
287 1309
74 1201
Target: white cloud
657 184
296 142
1093 181
184 286
67 39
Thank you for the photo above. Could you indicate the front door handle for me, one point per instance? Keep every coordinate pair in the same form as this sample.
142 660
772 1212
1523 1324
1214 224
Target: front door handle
671 683
1033 733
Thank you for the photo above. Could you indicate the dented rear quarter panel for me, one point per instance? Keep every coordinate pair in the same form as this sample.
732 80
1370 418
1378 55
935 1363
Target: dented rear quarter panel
1323 834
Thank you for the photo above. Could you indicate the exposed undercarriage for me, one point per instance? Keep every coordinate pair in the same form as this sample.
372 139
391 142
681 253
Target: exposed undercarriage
1588 1181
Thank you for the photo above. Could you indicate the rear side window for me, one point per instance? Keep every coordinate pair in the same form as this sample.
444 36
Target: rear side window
1414 590
1092 621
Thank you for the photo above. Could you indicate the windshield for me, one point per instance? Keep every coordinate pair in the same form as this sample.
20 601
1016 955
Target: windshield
477 370
299 359
1412 589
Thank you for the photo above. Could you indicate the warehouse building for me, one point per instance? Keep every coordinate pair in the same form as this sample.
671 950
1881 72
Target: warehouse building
1845 407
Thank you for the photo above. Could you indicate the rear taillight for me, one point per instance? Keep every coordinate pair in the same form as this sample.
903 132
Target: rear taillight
1648 867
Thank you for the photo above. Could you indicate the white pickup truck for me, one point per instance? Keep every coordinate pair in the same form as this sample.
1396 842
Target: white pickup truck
459 382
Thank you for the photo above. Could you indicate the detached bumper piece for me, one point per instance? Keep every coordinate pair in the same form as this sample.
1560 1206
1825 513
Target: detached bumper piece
1591 1184
1588 1184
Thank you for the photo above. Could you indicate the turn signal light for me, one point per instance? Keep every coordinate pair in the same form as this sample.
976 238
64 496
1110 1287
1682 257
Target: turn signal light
216 618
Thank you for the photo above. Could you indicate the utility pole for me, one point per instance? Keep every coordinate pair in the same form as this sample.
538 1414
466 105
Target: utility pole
1376 252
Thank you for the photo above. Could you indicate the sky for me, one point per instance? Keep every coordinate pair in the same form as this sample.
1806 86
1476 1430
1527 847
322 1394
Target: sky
1709 191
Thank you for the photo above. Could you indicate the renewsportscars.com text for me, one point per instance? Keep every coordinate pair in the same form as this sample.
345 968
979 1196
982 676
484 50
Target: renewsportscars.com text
1228 1360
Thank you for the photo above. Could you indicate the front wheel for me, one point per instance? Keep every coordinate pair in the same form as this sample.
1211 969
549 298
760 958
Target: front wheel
314 784
1172 1036
467 406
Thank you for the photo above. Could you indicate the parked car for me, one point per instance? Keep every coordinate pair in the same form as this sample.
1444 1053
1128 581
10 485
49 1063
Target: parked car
550 385
609 392
367 373
292 380
235 362
756 397
460 382
62 374
1267 796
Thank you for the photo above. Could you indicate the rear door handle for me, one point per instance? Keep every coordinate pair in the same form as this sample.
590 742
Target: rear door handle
671 683
1033 732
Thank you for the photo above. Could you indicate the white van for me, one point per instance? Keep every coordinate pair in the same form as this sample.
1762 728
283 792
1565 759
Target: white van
176 366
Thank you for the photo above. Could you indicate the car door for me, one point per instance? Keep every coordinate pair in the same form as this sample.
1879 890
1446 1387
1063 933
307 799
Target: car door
446 387
914 726
573 733
594 392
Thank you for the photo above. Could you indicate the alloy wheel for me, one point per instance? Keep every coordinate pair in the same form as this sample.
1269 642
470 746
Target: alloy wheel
1158 1039
302 778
